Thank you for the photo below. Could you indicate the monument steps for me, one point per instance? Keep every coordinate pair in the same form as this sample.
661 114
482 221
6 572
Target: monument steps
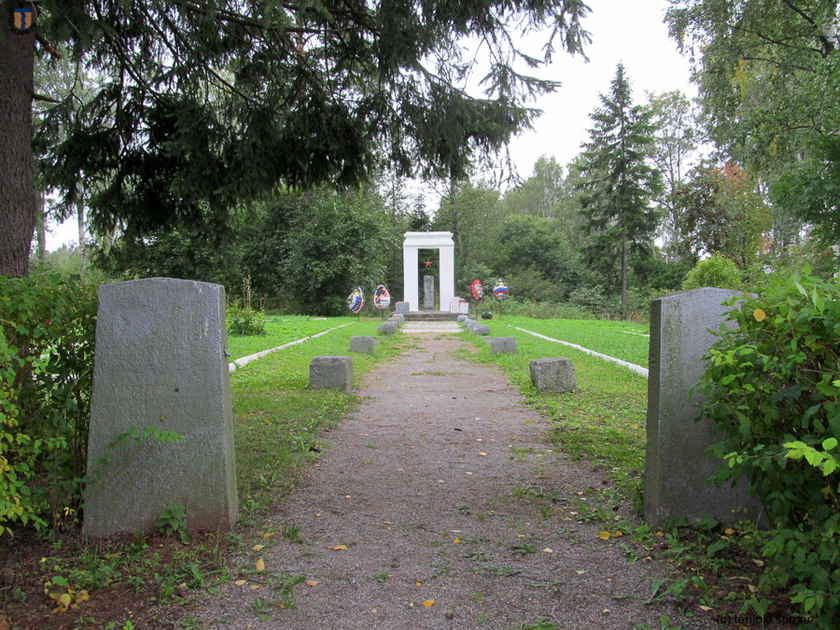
430 316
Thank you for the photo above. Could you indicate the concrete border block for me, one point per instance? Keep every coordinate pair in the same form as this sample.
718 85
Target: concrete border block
388 327
331 372
555 374
362 343
503 345
481 329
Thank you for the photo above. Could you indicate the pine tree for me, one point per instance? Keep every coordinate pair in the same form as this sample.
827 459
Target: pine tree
617 184
204 104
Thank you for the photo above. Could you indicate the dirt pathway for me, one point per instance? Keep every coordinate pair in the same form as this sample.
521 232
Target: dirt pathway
438 506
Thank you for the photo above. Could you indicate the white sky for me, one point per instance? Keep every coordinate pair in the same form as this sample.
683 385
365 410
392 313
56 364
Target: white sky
628 31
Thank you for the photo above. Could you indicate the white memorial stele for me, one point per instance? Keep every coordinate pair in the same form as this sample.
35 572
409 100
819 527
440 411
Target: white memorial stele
415 241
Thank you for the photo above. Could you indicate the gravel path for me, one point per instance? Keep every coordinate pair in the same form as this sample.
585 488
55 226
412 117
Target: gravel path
438 506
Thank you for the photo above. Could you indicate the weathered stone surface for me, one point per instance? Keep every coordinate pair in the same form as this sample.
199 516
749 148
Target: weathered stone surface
331 372
365 344
676 469
556 374
399 318
388 328
503 345
402 307
160 363
462 318
481 329
428 293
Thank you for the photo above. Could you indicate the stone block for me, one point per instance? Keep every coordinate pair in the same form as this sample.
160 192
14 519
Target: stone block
556 374
330 372
388 328
365 344
399 318
462 318
160 366
503 345
481 329
402 307
676 468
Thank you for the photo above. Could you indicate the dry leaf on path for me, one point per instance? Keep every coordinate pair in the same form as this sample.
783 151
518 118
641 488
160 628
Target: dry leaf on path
429 603
260 565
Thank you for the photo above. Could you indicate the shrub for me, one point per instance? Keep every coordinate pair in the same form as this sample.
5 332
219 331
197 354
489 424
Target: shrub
243 321
717 271
772 386
46 359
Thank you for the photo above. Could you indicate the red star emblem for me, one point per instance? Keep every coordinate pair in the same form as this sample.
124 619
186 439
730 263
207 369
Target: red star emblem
428 263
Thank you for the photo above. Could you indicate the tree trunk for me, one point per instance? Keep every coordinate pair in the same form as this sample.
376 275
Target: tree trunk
624 274
80 216
41 232
18 208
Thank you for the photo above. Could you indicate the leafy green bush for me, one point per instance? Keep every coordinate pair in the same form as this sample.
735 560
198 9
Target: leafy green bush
772 386
46 358
717 271
243 321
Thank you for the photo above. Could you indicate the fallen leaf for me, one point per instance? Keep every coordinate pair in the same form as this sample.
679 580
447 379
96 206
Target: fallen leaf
728 531
606 611
618 533
268 535
373 610
758 563
706 608
312 582
759 315
484 454
418 583
580 572
254 587
339 547
257 547
548 550
260 565
604 535
429 603
241 582
751 587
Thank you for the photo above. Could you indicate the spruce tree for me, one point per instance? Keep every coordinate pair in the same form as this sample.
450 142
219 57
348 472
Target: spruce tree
204 104
617 183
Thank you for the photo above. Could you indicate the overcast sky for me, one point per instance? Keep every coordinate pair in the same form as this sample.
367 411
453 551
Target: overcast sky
628 31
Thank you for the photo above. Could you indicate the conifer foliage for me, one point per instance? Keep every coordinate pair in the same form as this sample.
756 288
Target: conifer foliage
617 184
206 103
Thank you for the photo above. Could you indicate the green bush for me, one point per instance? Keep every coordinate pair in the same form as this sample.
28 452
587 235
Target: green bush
772 386
245 322
717 271
46 358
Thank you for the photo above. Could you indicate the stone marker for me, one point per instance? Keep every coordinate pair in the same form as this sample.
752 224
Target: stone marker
676 470
160 363
556 374
428 293
365 344
480 329
329 372
402 307
399 318
388 327
503 345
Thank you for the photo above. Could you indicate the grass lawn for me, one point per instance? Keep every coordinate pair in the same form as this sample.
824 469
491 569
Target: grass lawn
282 329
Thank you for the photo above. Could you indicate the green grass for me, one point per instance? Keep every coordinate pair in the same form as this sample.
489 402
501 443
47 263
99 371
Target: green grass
278 419
603 421
622 340
284 329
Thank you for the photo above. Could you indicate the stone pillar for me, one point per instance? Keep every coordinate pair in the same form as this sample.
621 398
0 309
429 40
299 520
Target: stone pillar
160 363
410 283
428 293
676 469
